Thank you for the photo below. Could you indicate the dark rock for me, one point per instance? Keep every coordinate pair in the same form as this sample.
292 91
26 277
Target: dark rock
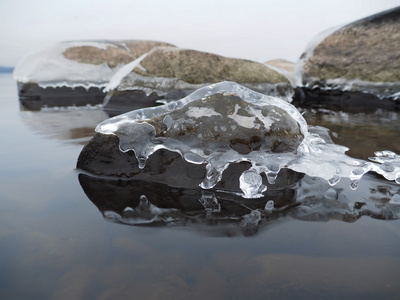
34 97
339 100
102 157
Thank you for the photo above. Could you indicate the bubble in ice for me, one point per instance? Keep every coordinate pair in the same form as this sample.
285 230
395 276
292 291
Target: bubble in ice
226 123
269 206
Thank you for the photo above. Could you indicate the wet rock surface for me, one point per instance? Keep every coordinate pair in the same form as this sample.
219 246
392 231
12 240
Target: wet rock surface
102 157
361 56
340 100
34 97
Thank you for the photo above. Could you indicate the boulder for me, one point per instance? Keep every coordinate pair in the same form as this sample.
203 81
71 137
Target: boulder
74 72
362 56
221 136
168 73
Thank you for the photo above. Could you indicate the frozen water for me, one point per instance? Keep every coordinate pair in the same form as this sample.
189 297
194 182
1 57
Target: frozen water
123 72
269 206
49 67
199 127
251 184
309 51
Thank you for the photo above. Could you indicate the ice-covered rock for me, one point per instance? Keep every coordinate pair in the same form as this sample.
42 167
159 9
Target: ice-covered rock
74 72
168 73
362 56
194 140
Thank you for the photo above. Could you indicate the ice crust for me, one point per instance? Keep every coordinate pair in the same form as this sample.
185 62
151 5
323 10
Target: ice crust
314 156
49 67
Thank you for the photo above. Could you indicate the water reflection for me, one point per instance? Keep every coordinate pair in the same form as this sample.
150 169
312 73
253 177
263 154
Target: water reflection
74 124
362 133
217 213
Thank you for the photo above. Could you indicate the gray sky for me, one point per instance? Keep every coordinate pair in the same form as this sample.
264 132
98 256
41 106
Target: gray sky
257 30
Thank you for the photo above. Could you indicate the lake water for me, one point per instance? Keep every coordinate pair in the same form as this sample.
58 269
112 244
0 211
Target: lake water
56 244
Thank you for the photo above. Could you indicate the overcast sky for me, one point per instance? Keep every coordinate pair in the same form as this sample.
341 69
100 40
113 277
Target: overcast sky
257 30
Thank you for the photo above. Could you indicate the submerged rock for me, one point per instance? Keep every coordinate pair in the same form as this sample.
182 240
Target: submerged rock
362 56
167 73
75 72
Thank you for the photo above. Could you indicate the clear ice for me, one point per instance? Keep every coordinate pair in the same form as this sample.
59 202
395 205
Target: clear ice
49 67
201 130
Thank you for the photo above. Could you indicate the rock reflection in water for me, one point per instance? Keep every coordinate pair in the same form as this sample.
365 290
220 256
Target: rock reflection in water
136 202
362 133
64 123
219 213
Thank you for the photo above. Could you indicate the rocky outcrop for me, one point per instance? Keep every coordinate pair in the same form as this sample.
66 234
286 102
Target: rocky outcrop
75 72
172 73
361 56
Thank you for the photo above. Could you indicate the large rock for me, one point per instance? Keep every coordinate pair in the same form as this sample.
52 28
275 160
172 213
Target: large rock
75 72
362 56
196 140
167 73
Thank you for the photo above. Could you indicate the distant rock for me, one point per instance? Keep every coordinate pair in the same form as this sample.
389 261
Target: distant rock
167 73
362 56
74 72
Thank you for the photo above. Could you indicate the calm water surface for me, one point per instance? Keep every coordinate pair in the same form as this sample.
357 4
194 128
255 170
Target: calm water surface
55 243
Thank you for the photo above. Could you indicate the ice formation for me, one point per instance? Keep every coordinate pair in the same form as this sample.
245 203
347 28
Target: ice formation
309 51
204 129
50 68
